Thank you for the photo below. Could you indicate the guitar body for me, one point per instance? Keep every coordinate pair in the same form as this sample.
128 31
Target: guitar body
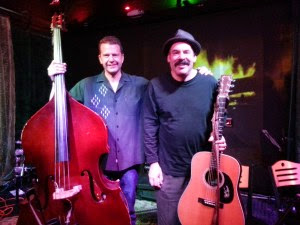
197 203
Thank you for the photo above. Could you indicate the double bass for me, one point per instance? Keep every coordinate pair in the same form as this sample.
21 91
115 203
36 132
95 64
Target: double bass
64 141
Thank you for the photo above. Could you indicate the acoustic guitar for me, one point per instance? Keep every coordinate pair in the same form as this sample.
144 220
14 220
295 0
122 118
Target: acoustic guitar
211 196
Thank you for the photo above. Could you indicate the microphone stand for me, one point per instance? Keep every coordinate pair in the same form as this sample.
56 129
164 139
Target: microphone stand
19 172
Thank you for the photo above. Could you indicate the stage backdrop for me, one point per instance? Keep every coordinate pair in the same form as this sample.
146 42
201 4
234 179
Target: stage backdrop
252 44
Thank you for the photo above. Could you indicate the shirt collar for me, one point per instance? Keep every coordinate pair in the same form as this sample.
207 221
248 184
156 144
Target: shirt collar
124 78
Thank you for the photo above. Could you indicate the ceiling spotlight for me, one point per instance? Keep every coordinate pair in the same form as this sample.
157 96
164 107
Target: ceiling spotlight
135 13
133 8
127 8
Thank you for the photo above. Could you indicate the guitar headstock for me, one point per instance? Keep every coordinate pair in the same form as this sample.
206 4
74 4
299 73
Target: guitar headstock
225 85
219 118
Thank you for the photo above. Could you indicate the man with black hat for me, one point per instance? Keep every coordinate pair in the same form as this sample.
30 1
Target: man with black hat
178 108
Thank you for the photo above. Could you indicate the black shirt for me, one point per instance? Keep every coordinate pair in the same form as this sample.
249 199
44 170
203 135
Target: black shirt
177 121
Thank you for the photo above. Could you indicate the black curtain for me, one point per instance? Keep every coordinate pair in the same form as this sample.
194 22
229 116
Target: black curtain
297 73
24 83
294 122
7 97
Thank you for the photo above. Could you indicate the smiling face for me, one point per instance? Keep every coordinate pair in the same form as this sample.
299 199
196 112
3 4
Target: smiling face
181 59
111 58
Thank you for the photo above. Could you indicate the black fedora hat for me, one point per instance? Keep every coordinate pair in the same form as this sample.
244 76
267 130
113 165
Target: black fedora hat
182 36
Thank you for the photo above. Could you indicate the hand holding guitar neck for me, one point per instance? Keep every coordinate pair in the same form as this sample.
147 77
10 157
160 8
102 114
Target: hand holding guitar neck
221 143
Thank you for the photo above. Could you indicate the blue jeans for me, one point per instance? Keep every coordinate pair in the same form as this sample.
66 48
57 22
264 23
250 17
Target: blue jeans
128 183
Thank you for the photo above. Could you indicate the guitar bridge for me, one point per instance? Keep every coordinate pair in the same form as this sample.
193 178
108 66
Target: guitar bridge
209 203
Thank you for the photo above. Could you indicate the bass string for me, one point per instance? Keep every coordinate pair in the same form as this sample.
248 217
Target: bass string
62 167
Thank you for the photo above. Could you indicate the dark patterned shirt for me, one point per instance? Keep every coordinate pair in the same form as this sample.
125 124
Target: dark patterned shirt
121 112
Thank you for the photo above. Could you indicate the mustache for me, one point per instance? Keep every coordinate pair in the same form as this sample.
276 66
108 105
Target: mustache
112 64
182 62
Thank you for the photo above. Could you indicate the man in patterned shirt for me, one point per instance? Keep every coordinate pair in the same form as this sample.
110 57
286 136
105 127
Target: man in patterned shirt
117 97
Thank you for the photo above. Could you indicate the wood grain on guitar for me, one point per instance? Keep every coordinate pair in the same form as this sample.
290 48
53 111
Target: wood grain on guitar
211 197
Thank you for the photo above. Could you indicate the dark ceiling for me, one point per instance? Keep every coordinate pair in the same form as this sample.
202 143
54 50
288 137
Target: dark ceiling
101 14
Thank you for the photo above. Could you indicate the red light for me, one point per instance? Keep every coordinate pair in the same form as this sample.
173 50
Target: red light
127 7
229 122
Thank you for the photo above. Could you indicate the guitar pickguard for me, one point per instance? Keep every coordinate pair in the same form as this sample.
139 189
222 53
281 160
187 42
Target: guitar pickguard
226 189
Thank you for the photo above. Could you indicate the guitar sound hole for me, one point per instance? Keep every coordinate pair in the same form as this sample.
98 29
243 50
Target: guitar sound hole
211 178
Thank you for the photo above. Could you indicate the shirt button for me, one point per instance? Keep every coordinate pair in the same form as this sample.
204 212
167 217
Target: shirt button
117 139
117 126
117 113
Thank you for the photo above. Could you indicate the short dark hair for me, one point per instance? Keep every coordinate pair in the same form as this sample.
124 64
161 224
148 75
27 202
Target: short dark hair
110 40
